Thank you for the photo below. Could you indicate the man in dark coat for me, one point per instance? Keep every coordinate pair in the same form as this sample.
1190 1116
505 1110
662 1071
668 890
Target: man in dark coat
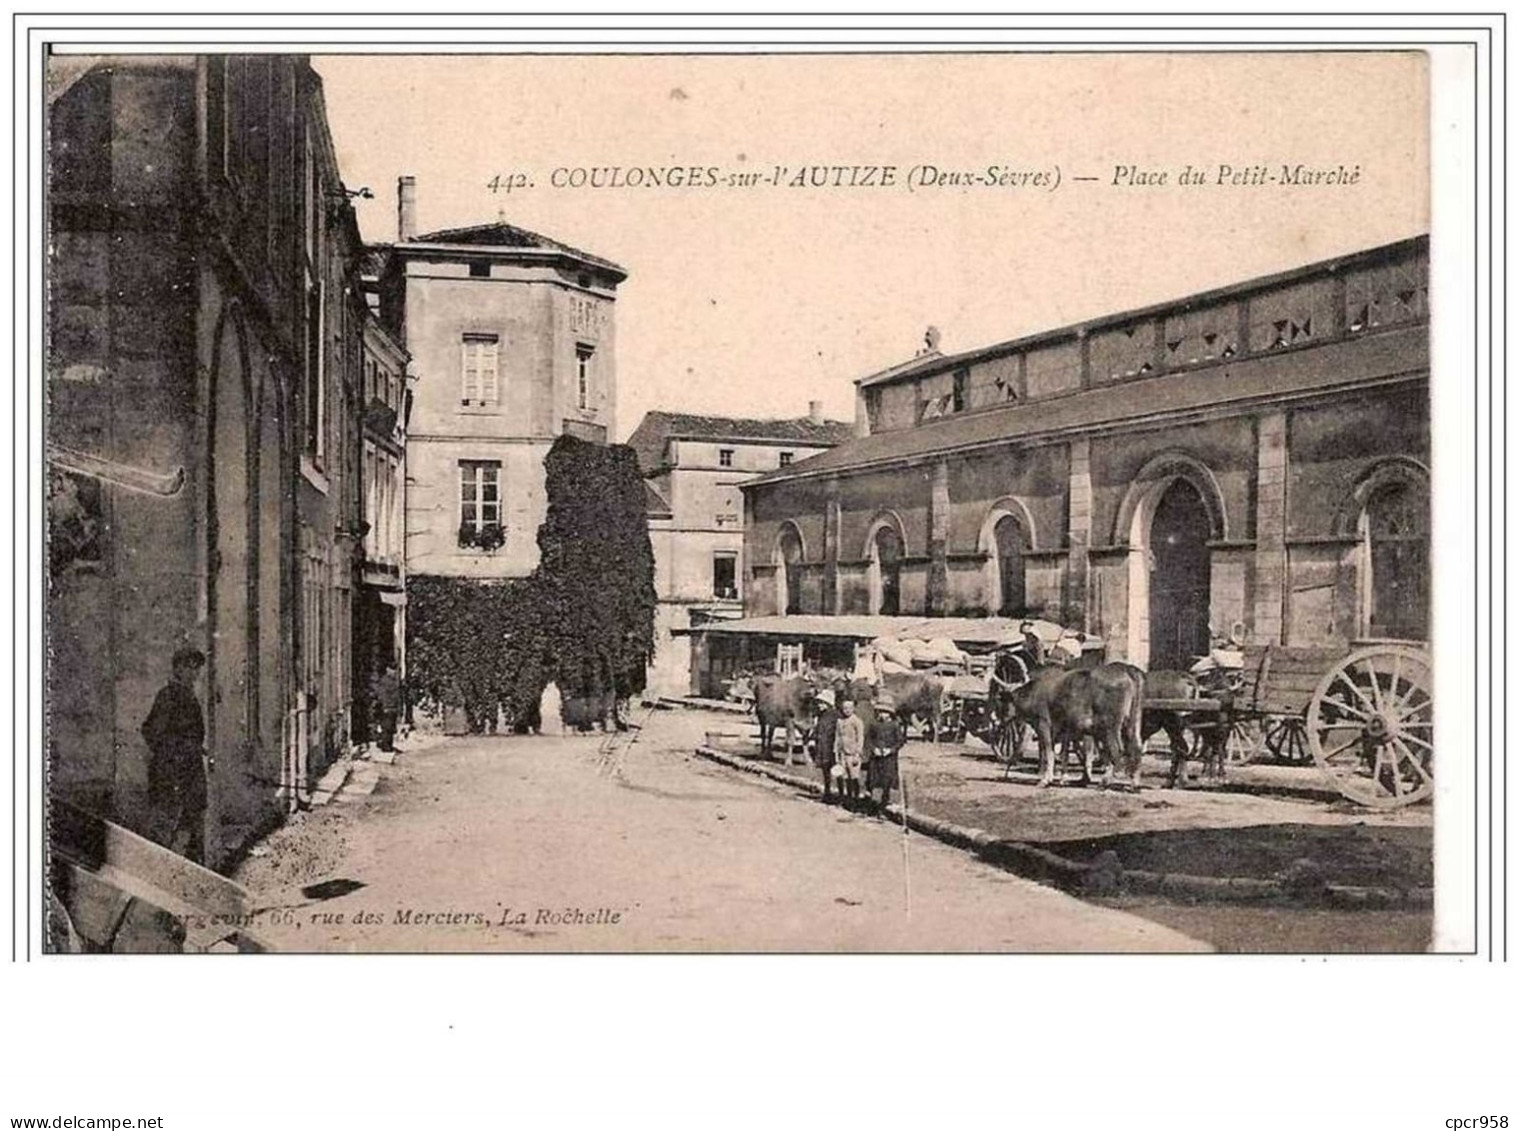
387 699
883 740
824 734
1033 646
175 732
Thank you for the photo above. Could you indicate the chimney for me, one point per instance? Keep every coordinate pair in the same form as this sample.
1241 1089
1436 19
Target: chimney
815 411
406 208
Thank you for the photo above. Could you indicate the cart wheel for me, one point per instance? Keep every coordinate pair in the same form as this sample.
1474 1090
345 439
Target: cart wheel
1285 739
1371 726
1010 739
1006 743
1245 740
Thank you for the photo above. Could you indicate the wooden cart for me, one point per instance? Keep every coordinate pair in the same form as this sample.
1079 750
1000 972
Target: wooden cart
1365 715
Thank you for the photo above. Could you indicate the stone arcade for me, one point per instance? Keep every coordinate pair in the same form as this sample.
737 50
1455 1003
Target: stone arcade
1253 458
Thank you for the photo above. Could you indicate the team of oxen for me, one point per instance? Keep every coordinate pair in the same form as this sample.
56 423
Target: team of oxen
1099 711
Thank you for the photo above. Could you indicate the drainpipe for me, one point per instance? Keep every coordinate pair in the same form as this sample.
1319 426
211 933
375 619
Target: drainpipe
295 788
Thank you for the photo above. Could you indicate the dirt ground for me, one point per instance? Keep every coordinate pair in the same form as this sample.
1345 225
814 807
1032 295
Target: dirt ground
1396 858
1287 930
555 844
1259 823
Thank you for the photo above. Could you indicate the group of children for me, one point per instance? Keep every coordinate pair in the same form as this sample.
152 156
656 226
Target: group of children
856 756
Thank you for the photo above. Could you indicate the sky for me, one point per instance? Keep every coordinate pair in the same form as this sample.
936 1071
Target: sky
755 299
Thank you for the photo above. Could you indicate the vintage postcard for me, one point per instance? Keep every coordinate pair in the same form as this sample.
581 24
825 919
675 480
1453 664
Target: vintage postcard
915 501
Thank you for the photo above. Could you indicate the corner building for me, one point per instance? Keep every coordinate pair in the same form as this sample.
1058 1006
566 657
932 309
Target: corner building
204 338
512 341
693 466
1253 458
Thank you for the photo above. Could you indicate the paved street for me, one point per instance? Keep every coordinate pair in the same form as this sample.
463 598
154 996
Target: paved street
524 844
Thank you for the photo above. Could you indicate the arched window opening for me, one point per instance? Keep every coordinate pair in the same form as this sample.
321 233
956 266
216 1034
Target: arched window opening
1179 579
1009 543
886 559
1394 532
788 573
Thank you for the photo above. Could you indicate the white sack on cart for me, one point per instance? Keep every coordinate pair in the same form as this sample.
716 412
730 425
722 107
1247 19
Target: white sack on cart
892 650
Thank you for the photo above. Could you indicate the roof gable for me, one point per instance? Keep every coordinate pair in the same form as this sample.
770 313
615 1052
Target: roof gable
503 235
653 434
654 503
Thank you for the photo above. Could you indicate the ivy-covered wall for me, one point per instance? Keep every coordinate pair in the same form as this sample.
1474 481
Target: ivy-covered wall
584 618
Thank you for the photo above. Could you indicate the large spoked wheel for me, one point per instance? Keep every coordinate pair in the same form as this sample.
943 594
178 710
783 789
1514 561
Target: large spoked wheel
1371 726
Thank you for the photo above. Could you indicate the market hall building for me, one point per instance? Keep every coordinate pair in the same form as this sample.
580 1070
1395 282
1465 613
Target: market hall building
1253 458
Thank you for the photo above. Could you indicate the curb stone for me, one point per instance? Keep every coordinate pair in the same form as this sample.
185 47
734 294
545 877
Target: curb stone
331 782
700 704
1105 876
360 784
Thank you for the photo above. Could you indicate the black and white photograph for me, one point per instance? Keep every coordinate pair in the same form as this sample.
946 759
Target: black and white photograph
993 515
580 568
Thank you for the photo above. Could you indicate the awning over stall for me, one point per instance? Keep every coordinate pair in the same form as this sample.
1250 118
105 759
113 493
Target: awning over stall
971 633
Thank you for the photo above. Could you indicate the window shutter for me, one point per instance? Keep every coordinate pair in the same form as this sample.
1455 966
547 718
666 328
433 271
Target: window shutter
488 389
480 384
471 391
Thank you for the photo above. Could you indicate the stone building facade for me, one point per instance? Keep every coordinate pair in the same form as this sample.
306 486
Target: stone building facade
203 425
693 466
512 339
1254 458
379 623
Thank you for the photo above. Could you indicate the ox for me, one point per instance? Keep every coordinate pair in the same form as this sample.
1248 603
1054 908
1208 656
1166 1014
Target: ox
779 701
1212 733
914 696
1103 703
1169 685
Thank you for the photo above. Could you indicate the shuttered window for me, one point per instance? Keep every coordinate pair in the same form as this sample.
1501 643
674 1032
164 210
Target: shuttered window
481 384
583 355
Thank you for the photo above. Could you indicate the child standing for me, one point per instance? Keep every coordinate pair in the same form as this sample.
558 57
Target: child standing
849 745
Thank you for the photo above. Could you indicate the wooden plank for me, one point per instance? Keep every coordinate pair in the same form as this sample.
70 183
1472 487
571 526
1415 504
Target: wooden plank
1291 675
1300 677
146 929
93 842
1321 655
1200 706
114 908
95 907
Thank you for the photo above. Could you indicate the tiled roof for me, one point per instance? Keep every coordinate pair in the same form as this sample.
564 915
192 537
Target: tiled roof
501 234
654 503
1390 354
658 428
923 361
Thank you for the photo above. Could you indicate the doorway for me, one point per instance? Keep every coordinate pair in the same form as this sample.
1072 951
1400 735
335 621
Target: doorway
1394 532
886 564
788 572
1008 544
1179 578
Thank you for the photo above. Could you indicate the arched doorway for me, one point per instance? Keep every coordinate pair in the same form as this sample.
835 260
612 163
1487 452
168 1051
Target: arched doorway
788 571
886 571
1179 578
1394 531
1009 542
237 488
